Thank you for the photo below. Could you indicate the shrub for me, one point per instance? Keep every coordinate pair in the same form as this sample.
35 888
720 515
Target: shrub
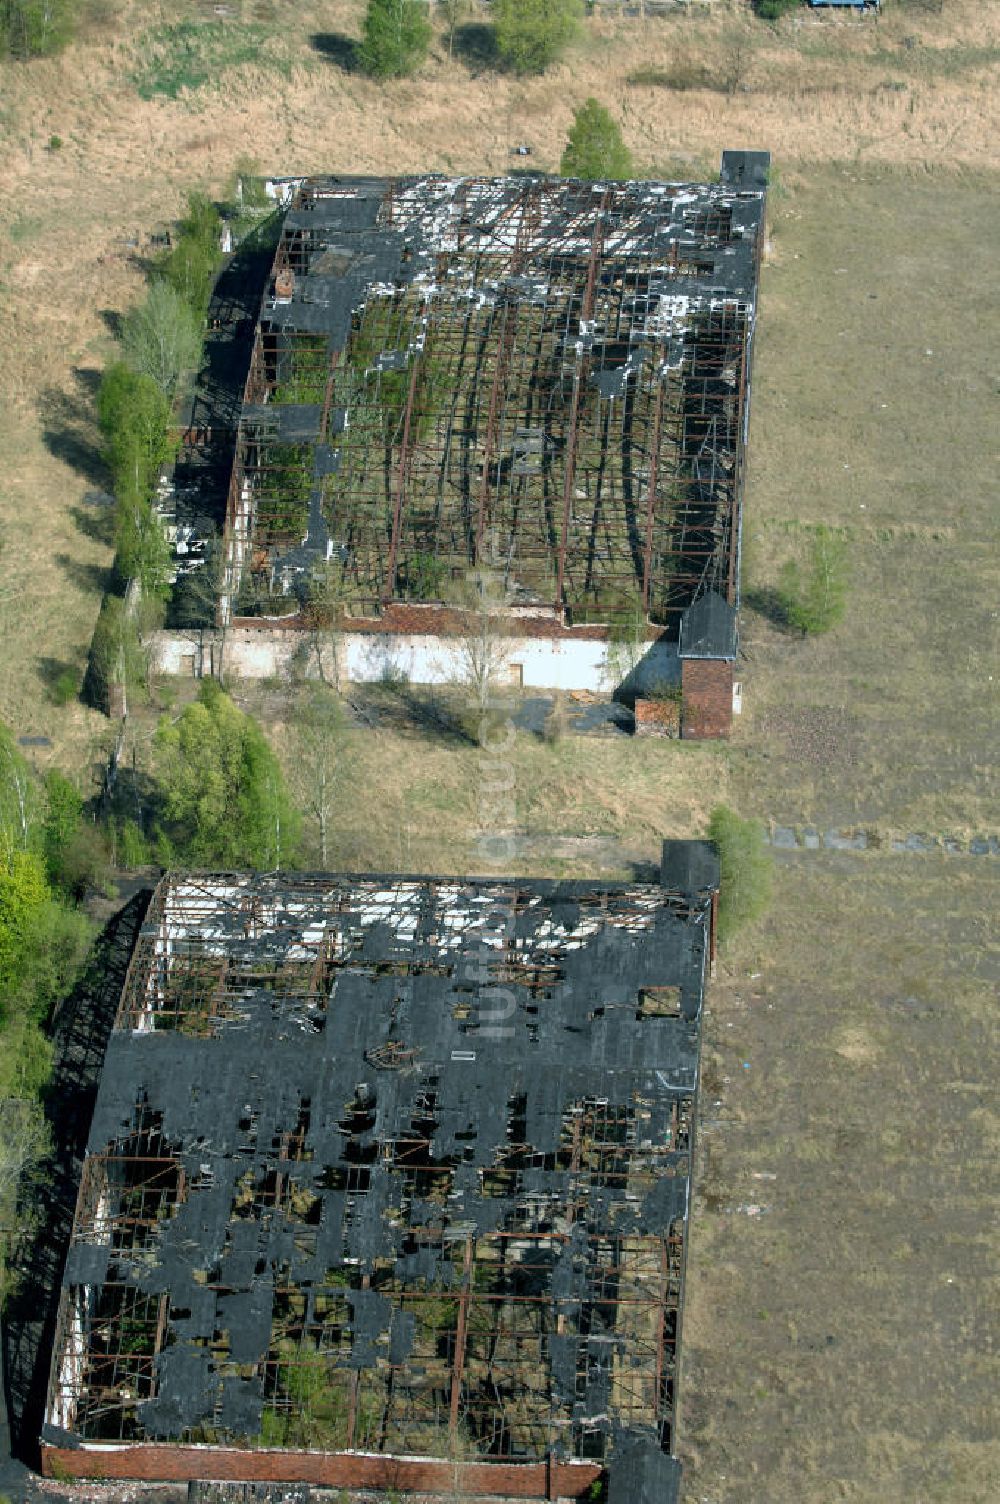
65 686
84 862
133 848
63 818
814 599
746 869
533 34
772 10
424 577
134 417
397 34
221 789
191 264
595 149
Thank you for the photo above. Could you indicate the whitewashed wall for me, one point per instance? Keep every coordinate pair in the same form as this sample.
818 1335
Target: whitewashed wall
545 663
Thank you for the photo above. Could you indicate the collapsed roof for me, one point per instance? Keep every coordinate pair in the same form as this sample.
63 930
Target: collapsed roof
392 1165
544 377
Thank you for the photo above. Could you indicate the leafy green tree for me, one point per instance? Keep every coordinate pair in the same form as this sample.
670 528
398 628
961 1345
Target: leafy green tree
24 896
143 551
595 150
161 337
36 28
223 796
745 862
814 599
63 818
41 940
134 417
189 267
42 944
116 652
532 34
397 34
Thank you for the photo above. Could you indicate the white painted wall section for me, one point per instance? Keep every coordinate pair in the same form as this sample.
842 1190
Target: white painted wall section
366 658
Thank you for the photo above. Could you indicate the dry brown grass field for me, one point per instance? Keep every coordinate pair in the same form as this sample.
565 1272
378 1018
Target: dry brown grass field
839 1335
837 1340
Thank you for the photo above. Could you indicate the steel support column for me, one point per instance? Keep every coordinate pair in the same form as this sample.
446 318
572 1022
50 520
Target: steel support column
654 458
460 1329
505 345
389 588
579 376
735 505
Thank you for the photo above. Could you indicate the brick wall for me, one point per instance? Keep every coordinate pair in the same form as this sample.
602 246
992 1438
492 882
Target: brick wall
707 698
407 617
166 1463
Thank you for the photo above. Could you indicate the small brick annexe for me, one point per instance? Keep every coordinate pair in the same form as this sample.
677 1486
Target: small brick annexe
707 689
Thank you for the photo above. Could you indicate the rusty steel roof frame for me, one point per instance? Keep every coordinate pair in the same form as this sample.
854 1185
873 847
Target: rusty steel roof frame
564 366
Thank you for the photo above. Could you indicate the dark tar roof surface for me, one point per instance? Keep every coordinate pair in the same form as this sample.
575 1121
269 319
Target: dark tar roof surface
496 993
708 628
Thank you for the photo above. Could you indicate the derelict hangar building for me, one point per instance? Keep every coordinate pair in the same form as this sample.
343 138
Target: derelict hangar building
387 1186
544 378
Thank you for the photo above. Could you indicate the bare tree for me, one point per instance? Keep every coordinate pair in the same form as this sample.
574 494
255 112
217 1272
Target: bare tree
318 728
23 1140
323 615
18 795
484 645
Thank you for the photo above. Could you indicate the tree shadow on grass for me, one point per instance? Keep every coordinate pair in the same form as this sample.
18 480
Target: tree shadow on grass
112 320
68 429
96 520
62 677
344 52
85 576
766 601
476 46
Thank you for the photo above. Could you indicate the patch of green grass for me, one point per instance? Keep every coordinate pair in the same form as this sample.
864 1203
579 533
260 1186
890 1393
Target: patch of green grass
682 75
937 62
24 228
189 54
